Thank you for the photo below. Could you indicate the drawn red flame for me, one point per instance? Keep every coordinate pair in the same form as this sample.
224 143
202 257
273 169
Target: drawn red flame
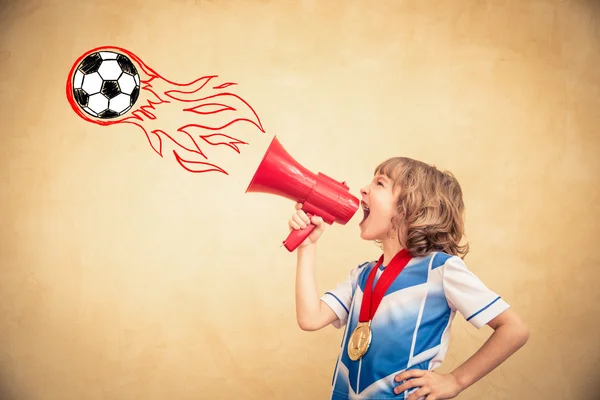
203 110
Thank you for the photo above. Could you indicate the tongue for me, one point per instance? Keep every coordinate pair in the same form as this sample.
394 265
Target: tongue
365 216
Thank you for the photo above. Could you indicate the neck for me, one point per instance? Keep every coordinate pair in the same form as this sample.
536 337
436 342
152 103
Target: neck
391 247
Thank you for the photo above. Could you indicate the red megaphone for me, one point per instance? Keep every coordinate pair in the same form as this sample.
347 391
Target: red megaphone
279 174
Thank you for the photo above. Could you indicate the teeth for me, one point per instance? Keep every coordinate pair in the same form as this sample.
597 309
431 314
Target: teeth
366 212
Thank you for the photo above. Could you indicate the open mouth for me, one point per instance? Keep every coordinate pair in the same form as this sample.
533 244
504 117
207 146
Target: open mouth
366 212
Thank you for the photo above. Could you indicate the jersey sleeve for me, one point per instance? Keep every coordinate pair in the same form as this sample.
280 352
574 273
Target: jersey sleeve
468 295
339 299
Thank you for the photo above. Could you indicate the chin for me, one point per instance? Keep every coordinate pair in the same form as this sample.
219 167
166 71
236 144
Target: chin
375 232
366 235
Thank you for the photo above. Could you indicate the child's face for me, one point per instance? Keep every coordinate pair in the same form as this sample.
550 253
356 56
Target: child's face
379 204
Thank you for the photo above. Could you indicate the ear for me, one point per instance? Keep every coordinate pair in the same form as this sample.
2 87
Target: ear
401 229
395 231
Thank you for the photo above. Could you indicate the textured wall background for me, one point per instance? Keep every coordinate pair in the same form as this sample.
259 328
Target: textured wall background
122 276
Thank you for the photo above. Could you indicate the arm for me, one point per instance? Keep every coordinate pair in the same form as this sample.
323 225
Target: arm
510 334
311 312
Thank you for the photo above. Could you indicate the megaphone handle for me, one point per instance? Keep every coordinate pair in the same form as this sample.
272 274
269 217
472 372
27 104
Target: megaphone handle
297 236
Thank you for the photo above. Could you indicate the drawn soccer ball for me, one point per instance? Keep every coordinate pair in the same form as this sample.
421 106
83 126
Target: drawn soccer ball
106 84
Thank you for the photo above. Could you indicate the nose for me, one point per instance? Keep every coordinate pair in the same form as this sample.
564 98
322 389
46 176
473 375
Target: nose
363 191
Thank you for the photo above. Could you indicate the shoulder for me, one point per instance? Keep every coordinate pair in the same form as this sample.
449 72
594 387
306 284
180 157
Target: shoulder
361 272
432 261
441 259
358 270
365 267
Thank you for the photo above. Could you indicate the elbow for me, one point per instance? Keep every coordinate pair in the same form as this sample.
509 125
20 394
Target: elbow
520 333
307 325
524 334
513 327
310 324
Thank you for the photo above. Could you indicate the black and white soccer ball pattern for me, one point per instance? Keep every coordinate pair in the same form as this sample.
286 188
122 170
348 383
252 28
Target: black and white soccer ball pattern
106 84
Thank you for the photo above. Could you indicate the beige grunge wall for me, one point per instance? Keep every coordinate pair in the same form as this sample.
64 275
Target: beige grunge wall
123 276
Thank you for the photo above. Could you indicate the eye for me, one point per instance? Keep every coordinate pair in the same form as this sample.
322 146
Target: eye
379 183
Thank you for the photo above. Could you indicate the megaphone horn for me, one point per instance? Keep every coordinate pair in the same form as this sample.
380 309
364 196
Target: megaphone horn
279 174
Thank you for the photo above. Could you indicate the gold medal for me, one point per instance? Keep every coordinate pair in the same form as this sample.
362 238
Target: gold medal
360 340
361 337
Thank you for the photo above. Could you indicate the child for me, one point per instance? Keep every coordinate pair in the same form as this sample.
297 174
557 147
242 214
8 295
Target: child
398 310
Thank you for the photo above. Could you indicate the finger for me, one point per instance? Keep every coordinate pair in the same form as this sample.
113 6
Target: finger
409 384
411 373
298 219
294 225
302 214
304 217
419 393
298 206
318 221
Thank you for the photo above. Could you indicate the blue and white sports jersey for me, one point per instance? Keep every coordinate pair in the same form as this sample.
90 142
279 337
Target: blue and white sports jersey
411 327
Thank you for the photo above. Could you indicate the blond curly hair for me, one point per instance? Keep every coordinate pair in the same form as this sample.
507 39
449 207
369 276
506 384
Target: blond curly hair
430 207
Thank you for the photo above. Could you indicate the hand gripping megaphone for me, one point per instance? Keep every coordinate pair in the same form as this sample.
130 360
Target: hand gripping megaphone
279 174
